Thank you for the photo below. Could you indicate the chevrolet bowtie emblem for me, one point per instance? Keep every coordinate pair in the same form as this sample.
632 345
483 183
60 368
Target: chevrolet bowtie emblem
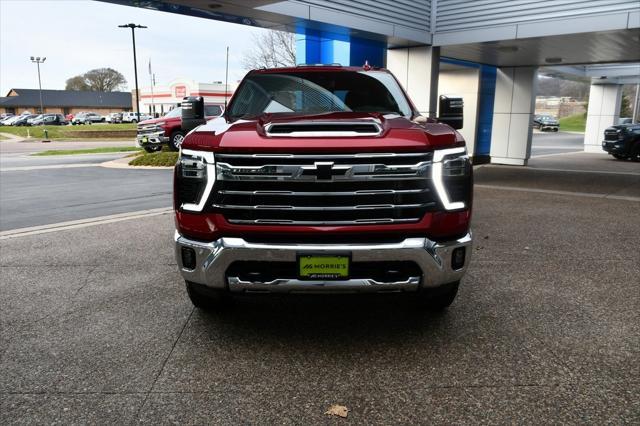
324 170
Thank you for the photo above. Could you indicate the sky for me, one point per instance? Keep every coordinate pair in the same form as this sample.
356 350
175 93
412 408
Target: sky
79 35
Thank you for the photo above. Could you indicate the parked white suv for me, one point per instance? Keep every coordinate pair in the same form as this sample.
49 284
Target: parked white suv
132 117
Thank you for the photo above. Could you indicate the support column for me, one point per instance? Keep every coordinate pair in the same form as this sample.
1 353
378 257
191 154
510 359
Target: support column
514 105
417 70
603 111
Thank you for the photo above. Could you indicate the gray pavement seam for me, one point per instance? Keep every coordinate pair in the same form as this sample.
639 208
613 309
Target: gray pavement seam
164 363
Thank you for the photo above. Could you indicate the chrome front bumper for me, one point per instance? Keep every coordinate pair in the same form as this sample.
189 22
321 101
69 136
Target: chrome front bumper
151 139
214 258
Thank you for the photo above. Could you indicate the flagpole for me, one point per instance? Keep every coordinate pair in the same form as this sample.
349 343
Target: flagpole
153 105
226 81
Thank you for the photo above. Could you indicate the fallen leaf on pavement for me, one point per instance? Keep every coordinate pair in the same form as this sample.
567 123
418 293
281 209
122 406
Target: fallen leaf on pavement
337 410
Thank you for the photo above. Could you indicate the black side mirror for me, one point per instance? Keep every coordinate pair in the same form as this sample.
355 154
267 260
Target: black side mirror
192 113
451 111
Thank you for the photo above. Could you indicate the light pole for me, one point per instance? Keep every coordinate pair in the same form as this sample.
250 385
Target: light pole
135 64
38 60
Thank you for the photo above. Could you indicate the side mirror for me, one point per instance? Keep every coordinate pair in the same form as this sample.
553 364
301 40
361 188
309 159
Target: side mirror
192 113
451 111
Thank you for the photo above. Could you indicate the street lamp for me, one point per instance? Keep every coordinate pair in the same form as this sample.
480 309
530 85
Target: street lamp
135 64
38 60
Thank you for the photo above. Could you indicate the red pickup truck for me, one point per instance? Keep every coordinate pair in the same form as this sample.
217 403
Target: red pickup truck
166 130
323 179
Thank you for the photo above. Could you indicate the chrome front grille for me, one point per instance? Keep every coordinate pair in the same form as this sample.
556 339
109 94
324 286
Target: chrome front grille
148 129
341 189
611 135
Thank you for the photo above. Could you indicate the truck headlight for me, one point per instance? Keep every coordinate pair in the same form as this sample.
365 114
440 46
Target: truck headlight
195 176
452 177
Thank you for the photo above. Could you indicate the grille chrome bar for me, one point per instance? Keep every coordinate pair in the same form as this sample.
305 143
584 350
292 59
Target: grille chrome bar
324 156
322 222
325 193
227 171
325 208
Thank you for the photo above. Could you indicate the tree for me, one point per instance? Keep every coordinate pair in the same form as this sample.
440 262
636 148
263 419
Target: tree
272 49
76 83
97 80
551 86
626 107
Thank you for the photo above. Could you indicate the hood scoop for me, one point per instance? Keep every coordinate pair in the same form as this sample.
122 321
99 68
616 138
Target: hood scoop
318 129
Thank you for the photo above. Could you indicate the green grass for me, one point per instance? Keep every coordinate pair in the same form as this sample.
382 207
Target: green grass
36 132
62 132
88 151
100 127
574 123
162 159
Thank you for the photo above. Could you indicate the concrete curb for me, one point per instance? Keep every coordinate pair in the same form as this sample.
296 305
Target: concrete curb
10 137
123 163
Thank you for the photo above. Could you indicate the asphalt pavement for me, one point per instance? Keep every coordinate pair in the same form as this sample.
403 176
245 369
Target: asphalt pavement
43 190
96 327
545 143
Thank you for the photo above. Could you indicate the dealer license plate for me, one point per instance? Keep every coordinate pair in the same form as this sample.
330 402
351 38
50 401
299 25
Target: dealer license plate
315 267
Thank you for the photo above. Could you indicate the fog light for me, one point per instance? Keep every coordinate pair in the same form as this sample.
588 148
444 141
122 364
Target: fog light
457 258
188 258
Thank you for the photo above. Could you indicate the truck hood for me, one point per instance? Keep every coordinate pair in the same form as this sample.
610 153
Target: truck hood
396 133
159 120
166 119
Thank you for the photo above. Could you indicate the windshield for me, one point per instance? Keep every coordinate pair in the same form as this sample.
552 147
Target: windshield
212 110
176 112
313 92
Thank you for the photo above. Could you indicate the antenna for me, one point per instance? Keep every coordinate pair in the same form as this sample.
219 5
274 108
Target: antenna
226 80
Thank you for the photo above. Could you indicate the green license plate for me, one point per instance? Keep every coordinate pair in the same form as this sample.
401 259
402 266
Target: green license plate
314 267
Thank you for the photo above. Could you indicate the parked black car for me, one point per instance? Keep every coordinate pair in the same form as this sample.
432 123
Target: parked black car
623 141
546 122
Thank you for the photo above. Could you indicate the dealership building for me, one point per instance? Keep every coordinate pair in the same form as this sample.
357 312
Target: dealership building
64 102
163 98
488 52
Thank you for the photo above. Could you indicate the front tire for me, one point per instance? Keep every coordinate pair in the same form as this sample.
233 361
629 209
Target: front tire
619 157
176 140
635 152
439 298
151 149
206 298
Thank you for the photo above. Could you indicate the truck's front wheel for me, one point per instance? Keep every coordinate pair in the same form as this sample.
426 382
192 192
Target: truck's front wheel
176 140
439 298
206 298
